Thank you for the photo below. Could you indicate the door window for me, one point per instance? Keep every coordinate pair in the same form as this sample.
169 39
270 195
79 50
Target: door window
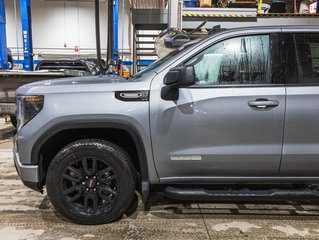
307 46
240 60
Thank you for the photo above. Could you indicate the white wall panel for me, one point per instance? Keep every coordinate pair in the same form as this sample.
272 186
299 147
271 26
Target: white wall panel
59 26
11 25
48 23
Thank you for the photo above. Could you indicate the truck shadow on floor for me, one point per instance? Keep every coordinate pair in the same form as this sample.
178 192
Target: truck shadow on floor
164 208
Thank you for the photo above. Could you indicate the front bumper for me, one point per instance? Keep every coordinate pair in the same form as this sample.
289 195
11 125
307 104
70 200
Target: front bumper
29 174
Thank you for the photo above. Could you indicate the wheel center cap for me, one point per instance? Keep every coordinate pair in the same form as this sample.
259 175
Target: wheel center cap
91 183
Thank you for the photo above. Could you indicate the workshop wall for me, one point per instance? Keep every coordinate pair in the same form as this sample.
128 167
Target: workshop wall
65 29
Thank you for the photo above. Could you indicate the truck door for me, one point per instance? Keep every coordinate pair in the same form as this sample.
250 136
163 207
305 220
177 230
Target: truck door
301 135
230 123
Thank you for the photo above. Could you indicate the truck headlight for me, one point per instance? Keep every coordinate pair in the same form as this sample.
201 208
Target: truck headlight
27 108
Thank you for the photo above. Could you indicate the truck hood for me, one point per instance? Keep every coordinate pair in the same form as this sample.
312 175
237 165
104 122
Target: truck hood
86 84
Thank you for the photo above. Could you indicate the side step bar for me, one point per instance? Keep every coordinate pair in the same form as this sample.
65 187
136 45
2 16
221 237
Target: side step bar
200 194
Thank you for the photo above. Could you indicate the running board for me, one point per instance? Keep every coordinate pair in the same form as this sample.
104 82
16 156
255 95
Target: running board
200 194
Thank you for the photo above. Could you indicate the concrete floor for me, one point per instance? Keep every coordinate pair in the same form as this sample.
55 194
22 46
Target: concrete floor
26 214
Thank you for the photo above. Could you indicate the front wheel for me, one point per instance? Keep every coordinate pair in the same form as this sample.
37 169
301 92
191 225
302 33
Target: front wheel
91 181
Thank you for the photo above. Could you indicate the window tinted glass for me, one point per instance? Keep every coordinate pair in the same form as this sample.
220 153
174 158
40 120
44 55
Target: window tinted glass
289 66
241 60
308 57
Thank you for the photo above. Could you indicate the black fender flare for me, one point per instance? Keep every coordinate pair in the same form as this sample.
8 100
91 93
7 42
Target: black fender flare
92 124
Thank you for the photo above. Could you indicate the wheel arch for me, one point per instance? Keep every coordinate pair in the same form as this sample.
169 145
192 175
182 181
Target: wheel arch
84 125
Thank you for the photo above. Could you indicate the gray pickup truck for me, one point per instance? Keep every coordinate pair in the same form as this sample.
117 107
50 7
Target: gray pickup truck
232 117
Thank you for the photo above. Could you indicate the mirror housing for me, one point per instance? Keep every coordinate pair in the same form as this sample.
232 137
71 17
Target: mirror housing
175 78
180 76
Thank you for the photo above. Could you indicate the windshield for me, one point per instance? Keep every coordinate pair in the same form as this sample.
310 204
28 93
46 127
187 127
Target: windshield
156 64
160 61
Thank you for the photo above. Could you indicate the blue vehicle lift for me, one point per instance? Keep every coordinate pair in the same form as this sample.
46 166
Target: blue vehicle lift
115 30
3 42
115 37
25 9
26 35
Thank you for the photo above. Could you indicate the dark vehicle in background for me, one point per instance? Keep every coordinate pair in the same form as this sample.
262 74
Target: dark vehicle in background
78 64
11 80
45 70
94 60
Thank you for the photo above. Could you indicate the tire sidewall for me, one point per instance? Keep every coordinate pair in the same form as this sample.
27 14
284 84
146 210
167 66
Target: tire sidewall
116 158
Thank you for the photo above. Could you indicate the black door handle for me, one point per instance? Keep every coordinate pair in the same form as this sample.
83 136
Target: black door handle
263 103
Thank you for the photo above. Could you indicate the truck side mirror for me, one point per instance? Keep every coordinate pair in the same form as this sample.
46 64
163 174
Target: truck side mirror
173 76
181 76
176 78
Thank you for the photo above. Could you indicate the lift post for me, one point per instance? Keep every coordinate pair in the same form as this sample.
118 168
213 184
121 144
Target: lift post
109 30
25 8
115 29
97 33
3 41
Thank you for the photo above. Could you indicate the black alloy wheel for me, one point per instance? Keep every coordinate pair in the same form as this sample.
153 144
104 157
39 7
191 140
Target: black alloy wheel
89 185
91 181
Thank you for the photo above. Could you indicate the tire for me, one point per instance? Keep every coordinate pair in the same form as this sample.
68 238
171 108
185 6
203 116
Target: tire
91 181
13 120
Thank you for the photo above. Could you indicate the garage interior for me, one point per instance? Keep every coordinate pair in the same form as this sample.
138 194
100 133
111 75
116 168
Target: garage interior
50 39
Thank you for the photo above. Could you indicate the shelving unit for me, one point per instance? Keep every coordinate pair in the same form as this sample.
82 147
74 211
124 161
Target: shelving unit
147 24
